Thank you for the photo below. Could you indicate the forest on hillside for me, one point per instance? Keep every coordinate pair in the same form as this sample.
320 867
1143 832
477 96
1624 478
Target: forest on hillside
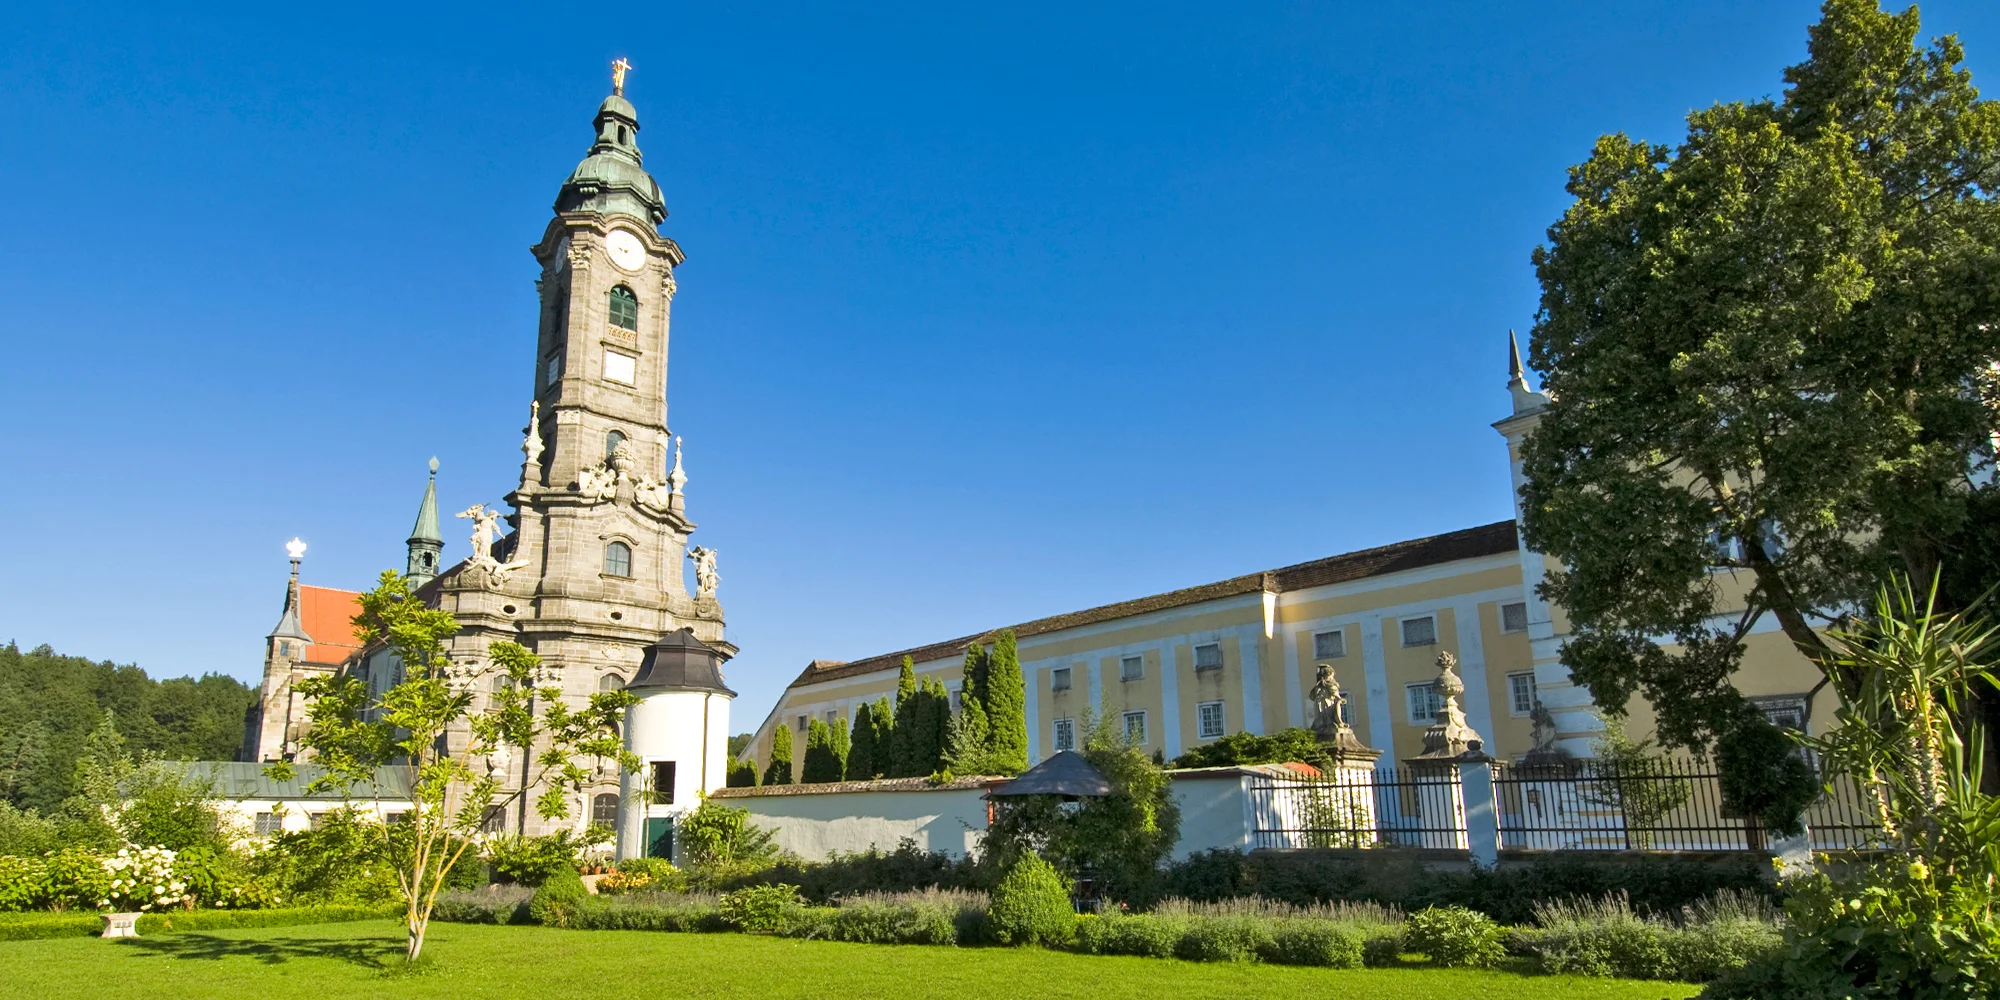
50 703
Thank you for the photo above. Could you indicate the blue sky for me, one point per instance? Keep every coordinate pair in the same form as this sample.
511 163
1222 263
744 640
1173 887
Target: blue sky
988 314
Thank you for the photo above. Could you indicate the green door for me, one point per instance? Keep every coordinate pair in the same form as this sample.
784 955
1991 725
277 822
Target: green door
660 837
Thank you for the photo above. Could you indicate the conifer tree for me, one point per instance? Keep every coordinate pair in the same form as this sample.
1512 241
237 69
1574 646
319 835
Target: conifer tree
967 740
843 745
1004 696
884 718
820 764
906 682
906 744
861 751
779 772
977 662
937 720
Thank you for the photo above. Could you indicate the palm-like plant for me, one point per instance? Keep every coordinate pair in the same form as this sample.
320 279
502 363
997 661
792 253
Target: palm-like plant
1907 680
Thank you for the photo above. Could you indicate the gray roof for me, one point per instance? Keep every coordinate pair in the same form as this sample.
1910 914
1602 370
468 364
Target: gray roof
1066 773
610 179
680 662
245 780
426 529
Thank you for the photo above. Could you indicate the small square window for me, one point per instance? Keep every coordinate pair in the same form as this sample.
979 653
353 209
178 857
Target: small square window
1521 697
1424 703
1135 727
803 720
269 823
318 819
1059 679
494 821
1420 631
1208 657
832 716
1065 735
1131 668
663 782
1329 645
1514 617
621 368
1208 720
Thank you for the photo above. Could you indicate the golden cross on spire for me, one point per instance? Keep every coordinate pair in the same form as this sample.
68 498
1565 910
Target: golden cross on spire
618 71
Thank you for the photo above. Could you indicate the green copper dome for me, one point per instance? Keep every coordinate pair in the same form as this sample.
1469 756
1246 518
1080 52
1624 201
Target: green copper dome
610 179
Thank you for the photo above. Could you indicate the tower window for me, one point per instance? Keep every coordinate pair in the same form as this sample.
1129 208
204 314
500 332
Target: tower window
624 309
618 559
663 782
611 682
611 443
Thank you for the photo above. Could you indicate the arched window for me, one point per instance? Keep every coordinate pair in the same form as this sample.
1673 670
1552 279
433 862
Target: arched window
618 559
611 682
604 809
611 443
624 309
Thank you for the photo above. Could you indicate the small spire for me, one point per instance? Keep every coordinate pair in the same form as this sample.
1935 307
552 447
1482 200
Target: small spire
426 529
1515 373
288 623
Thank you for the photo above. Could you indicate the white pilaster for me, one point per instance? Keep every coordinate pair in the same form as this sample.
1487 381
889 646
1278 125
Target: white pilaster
1250 642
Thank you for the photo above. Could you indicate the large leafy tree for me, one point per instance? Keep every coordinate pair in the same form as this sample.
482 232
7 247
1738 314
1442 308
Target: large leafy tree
1770 353
457 756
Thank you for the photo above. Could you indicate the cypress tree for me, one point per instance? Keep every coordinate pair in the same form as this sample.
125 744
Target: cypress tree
966 741
884 719
861 752
779 772
906 753
977 664
1004 696
906 682
820 765
843 744
936 728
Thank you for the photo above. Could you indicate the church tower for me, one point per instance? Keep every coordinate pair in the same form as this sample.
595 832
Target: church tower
589 571
425 543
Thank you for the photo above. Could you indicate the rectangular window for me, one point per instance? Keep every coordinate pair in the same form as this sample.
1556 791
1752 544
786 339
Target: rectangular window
1514 617
621 368
1135 727
832 716
1420 631
1208 657
663 782
1131 668
1329 645
1059 679
802 723
1521 696
1208 720
1424 703
958 699
1785 713
1347 706
552 370
269 823
1065 735
494 821
318 819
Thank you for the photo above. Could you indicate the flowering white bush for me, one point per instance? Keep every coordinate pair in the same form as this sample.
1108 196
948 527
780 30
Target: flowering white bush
142 880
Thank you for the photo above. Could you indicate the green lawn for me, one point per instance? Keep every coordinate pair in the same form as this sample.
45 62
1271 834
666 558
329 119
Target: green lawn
466 961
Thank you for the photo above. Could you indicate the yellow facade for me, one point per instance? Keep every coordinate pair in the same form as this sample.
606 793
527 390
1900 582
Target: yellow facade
1242 655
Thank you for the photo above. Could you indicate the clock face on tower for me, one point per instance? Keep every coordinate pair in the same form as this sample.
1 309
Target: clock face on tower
626 250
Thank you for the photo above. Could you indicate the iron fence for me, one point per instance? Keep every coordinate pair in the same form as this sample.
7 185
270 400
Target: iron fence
1391 806
1667 805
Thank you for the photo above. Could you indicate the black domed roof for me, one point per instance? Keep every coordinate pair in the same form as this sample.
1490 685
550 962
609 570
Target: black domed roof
680 662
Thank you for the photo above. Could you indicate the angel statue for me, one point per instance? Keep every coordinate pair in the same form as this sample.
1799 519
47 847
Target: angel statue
705 571
485 525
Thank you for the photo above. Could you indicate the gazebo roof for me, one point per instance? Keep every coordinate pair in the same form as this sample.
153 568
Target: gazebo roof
1066 773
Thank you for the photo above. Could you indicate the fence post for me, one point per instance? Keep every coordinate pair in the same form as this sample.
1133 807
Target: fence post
1482 815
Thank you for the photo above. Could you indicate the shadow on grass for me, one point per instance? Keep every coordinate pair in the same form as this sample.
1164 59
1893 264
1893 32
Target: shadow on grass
370 953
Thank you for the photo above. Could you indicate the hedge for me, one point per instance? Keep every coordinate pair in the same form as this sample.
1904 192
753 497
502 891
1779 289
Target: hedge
36 926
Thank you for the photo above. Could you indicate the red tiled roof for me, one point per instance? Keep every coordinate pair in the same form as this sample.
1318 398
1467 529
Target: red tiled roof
1469 543
327 615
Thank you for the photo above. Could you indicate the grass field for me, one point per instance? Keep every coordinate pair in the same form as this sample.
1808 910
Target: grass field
468 961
